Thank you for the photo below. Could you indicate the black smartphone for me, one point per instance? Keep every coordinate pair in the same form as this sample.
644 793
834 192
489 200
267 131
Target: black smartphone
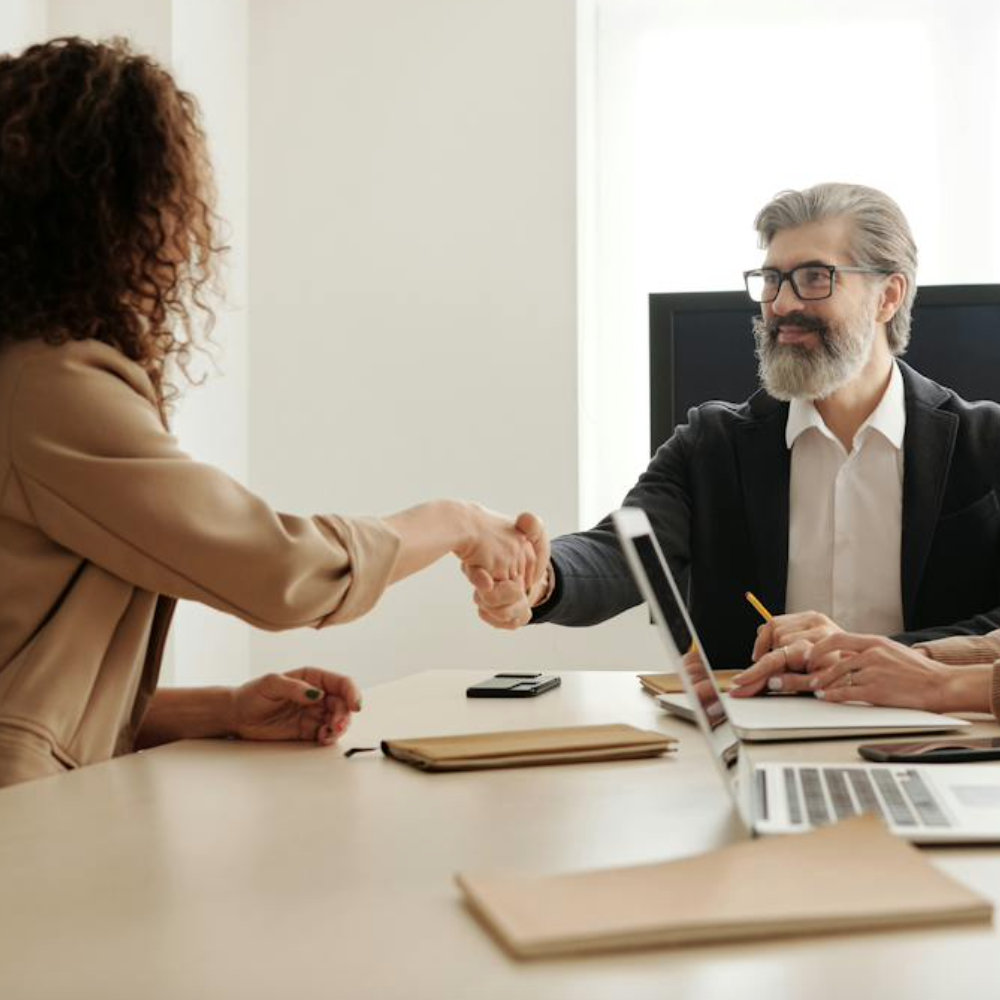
953 751
513 686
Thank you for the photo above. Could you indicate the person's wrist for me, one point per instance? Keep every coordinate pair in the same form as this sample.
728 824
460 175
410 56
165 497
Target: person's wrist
461 515
230 713
543 588
965 690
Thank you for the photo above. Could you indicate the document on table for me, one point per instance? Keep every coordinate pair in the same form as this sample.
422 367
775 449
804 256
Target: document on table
852 876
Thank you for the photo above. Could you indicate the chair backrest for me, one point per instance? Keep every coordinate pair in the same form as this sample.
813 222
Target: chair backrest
701 347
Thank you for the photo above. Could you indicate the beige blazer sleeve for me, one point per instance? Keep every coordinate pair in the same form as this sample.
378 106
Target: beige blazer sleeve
93 466
966 650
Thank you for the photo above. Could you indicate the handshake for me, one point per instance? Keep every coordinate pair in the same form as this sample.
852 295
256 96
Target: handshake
507 563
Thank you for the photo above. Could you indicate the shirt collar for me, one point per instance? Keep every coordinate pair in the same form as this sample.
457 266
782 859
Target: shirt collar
888 418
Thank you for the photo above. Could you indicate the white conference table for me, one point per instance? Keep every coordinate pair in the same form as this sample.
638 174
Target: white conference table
221 869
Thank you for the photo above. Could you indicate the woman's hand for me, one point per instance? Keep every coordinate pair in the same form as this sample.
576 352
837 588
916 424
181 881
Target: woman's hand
303 704
504 549
881 671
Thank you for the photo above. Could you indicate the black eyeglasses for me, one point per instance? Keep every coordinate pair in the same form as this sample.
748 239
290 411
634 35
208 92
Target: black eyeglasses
809 281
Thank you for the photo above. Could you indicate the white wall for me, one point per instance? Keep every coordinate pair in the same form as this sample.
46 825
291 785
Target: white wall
146 24
209 59
413 298
21 23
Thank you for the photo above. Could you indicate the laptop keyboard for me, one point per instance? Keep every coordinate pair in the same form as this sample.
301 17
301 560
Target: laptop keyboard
821 795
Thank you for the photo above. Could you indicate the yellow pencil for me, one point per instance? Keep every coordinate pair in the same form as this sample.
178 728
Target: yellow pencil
761 610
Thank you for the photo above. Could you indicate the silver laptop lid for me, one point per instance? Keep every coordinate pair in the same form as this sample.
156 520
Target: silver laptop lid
656 584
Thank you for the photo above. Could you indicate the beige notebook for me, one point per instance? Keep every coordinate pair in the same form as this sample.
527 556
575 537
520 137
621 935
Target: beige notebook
522 747
852 876
671 683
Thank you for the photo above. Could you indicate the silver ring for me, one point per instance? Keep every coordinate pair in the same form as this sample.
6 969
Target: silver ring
784 650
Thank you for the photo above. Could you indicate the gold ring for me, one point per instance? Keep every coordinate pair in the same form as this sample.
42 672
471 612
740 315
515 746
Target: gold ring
850 678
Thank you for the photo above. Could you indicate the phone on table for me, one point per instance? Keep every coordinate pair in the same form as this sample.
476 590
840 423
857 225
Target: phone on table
952 751
513 686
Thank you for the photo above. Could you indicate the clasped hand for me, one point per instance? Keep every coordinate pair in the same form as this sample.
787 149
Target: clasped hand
505 599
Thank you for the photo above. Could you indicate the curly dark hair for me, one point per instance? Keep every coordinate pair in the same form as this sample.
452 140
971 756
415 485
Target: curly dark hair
107 230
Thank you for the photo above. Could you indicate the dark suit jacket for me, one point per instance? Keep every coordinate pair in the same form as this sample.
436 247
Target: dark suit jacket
717 496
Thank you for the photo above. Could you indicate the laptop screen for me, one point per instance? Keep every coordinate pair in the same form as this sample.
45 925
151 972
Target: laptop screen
657 586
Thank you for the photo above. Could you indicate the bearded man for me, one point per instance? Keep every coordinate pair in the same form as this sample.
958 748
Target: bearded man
849 492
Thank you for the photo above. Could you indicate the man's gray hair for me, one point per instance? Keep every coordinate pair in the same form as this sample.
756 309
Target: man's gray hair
881 236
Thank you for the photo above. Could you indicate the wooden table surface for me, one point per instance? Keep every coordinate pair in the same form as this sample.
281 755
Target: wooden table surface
217 869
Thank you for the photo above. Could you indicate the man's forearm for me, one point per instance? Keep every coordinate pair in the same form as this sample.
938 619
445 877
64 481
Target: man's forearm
591 582
981 624
186 713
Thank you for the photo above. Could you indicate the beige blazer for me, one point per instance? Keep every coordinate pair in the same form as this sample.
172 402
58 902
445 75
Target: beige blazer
104 523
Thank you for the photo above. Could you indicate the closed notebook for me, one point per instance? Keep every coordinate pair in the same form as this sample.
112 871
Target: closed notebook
671 683
852 876
523 747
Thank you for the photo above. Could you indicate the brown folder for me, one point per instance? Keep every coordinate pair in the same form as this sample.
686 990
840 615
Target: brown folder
852 876
671 683
519 748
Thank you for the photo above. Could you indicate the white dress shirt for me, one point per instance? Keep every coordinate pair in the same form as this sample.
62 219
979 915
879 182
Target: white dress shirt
846 516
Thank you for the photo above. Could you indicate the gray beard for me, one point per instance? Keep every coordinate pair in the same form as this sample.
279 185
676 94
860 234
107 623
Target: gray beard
790 371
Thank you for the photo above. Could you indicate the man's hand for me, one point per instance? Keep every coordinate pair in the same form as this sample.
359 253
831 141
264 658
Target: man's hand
303 704
504 604
784 630
782 669
781 654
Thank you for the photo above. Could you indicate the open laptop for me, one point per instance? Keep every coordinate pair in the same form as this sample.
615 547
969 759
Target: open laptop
787 717
959 803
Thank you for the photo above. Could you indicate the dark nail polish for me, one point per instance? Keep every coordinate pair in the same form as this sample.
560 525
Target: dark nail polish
314 694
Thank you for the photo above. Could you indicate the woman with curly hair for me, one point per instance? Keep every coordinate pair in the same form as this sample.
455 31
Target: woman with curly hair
106 246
